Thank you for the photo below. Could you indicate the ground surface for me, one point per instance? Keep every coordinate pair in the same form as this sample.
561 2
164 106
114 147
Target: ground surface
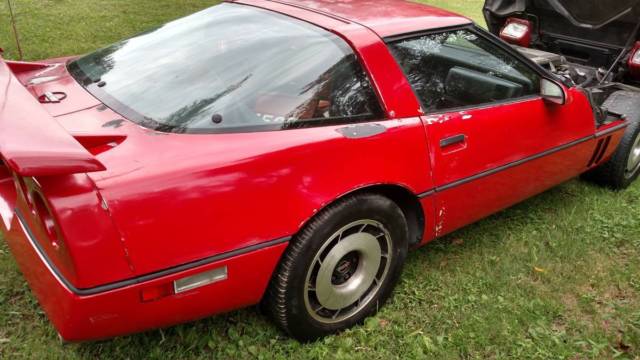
555 277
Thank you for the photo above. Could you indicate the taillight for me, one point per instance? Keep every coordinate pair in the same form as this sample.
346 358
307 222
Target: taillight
634 61
517 31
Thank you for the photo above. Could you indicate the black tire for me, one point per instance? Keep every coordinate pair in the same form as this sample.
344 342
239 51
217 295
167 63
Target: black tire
291 303
615 173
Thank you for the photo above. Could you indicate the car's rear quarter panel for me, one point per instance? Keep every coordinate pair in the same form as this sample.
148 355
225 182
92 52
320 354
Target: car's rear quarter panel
238 190
121 311
89 249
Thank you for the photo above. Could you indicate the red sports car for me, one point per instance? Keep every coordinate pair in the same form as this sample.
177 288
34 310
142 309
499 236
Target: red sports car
281 153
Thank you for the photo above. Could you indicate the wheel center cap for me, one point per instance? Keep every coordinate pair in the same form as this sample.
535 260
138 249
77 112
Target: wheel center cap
348 271
346 267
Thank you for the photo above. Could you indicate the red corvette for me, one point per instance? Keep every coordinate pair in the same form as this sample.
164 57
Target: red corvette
282 153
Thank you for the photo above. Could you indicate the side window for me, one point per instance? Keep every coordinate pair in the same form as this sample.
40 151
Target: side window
458 69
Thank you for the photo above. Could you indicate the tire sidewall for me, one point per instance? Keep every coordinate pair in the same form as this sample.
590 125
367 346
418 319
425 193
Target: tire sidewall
375 208
621 159
634 133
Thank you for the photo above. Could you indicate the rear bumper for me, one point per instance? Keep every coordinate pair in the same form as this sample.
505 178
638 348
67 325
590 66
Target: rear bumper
121 311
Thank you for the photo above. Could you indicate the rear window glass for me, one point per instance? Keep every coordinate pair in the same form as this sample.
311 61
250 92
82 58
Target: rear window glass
231 68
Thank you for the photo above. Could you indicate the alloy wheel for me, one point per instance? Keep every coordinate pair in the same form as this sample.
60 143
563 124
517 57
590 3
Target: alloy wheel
348 271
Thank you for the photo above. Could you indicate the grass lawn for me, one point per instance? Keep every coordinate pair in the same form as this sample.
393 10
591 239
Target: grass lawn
554 277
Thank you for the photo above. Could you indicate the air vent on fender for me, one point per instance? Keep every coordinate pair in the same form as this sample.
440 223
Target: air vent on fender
601 150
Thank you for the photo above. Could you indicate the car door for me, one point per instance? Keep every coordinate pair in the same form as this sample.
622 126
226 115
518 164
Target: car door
493 139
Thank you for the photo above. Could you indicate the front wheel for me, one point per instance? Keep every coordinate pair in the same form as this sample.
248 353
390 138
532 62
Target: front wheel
340 269
624 167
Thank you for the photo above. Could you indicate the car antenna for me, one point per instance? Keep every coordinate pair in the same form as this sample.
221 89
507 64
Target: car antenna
15 29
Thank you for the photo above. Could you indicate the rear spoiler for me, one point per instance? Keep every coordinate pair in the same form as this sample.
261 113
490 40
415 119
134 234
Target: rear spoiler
32 142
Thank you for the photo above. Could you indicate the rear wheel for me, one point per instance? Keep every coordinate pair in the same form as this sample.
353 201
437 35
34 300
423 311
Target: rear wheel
340 269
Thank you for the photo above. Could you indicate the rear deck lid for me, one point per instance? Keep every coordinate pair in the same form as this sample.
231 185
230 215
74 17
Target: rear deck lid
32 142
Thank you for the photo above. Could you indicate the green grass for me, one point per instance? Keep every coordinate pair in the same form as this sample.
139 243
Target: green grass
554 277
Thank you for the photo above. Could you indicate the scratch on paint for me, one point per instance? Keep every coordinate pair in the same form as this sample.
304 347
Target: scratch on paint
437 119
432 119
440 224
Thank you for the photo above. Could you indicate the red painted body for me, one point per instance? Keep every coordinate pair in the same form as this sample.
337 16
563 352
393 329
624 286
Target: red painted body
133 205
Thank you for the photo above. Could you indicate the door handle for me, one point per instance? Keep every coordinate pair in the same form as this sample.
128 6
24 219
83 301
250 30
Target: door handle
453 140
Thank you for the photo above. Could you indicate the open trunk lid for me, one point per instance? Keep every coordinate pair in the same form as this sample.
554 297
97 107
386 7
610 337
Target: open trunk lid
32 142
592 32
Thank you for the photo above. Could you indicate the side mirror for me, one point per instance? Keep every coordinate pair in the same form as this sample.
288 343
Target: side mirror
552 92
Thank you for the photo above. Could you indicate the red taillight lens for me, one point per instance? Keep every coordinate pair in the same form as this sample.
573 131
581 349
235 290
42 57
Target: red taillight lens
634 61
156 292
517 31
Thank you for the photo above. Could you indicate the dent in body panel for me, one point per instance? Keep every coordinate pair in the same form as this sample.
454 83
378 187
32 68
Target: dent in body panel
440 220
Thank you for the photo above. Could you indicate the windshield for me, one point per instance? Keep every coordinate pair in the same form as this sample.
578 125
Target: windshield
230 68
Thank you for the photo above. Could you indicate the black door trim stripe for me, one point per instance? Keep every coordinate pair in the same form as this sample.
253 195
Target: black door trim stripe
426 194
520 162
611 130
140 279
513 164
